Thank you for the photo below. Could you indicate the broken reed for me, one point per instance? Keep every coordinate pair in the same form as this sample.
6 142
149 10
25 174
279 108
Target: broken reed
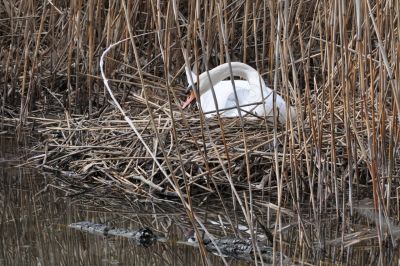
336 61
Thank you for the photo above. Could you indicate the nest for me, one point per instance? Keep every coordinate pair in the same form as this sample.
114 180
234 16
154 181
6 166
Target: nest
183 151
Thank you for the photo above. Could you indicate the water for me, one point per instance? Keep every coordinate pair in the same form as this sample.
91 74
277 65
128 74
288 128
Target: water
34 219
35 214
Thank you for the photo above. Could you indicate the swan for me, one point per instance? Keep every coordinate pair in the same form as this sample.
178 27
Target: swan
249 93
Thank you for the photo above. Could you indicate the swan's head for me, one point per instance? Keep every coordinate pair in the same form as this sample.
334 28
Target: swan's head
191 96
190 90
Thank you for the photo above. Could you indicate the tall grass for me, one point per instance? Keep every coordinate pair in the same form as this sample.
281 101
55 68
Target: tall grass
337 62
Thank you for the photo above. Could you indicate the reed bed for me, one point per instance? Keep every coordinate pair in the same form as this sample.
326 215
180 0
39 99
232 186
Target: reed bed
336 62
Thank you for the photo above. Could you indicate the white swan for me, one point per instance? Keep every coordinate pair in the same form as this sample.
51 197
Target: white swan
249 93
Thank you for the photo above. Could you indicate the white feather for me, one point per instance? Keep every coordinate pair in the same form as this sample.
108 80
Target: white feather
251 92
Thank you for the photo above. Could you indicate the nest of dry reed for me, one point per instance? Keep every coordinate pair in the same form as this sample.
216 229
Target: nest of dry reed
198 155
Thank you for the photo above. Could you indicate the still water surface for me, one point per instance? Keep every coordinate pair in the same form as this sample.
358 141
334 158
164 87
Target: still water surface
35 214
34 218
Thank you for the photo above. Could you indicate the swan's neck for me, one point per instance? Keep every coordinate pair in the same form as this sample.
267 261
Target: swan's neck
222 72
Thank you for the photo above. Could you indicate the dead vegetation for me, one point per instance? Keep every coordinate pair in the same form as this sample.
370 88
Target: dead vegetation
337 62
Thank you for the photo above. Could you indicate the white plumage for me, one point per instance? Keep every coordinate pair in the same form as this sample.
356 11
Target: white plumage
251 93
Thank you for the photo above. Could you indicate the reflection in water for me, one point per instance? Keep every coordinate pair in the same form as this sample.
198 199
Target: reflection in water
34 219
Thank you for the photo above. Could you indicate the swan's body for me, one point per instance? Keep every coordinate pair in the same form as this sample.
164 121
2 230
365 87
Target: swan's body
250 94
226 99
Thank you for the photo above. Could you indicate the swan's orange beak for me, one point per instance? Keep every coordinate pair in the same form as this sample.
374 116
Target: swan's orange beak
190 98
